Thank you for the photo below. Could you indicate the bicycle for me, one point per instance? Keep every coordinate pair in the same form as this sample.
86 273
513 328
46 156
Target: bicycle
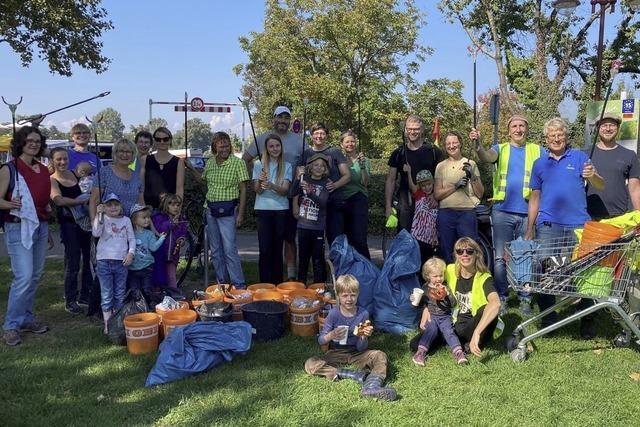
194 242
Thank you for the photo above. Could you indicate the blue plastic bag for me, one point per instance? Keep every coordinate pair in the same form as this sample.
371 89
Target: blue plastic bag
198 347
393 310
347 260
521 260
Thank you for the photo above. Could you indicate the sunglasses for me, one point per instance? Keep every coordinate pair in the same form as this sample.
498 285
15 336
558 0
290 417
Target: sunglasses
165 139
468 251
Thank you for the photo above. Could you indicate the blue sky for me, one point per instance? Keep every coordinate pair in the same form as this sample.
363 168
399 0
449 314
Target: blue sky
160 49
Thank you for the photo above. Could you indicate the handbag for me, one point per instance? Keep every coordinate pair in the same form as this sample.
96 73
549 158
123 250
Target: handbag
223 208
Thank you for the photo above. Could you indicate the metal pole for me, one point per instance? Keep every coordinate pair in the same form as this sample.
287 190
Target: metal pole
150 114
244 140
597 95
186 149
475 96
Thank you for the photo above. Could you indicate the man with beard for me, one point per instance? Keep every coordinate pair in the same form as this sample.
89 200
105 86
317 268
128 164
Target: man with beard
292 148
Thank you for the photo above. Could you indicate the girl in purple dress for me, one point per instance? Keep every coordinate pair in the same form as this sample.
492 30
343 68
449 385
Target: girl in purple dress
170 221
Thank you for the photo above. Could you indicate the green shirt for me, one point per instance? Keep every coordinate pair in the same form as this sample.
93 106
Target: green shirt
355 183
223 180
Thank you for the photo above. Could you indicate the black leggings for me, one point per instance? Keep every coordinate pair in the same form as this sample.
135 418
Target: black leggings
464 330
311 246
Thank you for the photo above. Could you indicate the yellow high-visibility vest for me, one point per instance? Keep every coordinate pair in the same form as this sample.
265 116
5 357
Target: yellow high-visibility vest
531 154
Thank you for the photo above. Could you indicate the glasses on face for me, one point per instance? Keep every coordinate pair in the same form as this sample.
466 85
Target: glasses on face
162 139
609 126
127 152
414 130
33 141
82 133
468 251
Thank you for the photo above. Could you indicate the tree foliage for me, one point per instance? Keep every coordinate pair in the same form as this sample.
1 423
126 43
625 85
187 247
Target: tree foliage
61 32
109 125
198 133
151 126
346 57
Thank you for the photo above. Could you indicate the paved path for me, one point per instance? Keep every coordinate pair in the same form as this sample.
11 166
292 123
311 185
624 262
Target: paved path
247 247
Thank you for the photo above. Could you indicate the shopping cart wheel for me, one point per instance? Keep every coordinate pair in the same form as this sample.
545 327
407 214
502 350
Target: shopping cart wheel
512 342
622 340
519 355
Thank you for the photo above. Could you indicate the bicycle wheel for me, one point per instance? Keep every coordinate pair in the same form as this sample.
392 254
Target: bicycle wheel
187 251
487 250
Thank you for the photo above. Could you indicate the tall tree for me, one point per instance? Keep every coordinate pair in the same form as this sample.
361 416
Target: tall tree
151 126
61 32
345 56
110 127
198 132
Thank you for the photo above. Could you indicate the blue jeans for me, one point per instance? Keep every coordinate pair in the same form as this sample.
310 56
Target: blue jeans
27 266
546 231
113 283
140 280
222 241
453 224
77 246
506 227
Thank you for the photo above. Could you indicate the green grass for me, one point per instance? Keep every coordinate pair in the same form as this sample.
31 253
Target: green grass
73 376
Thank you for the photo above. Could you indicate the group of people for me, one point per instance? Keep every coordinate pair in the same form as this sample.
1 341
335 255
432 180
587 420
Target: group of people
306 195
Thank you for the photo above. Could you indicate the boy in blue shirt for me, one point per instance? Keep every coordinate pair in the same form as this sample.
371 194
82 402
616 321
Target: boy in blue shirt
346 330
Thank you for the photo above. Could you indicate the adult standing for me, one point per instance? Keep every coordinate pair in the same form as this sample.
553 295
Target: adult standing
226 177
292 149
477 301
619 168
66 195
339 176
25 189
144 142
271 181
119 179
420 155
558 202
511 191
163 172
356 193
81 135
459 189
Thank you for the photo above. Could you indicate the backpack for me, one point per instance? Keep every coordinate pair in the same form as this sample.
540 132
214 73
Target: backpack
13 173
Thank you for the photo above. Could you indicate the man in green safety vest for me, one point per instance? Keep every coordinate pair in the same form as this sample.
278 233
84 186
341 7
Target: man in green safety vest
513 162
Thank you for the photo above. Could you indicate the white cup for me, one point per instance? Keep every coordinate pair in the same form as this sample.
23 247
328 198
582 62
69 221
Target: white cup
344 329
417 296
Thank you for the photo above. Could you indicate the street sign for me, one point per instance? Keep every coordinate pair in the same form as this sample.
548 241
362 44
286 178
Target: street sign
197 104
204 109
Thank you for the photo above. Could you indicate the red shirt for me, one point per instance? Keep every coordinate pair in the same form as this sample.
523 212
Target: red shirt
39 186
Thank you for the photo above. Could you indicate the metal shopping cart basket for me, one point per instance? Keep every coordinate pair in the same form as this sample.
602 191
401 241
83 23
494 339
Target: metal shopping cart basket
606 273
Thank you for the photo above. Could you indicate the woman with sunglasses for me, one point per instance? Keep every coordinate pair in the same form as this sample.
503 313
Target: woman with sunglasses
477 301
162 171
25 188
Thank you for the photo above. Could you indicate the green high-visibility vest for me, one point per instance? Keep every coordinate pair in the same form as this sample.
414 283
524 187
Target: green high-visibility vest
531 154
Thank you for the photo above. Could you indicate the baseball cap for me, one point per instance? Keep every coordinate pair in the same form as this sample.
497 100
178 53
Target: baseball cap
318 156
610 116
281 109
424 175
109 197
137 208
517 117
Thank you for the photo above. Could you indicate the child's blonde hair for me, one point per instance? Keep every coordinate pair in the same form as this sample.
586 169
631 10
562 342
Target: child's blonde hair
347 283
433 264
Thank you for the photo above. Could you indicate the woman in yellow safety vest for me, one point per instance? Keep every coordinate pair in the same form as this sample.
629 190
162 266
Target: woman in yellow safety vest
477 302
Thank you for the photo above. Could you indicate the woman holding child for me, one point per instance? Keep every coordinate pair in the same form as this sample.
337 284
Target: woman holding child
469 282
67 196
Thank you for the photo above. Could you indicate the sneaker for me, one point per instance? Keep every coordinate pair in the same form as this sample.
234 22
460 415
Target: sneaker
525 308
34 327
419 357
12 337
73 308
587 328
460 357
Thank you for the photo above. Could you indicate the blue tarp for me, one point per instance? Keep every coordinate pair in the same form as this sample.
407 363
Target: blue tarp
198 347
393 311
347 260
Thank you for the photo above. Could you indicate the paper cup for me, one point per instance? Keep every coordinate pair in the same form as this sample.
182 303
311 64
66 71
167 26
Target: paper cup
344 328
417 296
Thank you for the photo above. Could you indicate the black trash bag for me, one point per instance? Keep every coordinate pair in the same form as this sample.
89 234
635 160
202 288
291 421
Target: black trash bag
134 302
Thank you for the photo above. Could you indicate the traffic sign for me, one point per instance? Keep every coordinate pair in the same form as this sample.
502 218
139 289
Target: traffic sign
197 104
204 109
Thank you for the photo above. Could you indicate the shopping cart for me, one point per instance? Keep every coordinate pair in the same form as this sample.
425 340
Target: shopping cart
606 273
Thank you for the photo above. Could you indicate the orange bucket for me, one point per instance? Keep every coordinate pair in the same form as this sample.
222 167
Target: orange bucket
306 293
238 302
318 287
184 305
176 318
304 321
596 234
286 287
265 295
141 330
260 286
215 292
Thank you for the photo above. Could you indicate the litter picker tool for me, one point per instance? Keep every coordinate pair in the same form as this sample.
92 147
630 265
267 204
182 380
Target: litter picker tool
12 108
94 125
40 117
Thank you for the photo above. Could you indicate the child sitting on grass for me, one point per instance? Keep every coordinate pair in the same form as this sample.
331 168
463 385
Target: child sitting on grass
347 324
438 309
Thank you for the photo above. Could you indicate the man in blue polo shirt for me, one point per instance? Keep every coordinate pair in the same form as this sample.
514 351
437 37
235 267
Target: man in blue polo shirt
558 202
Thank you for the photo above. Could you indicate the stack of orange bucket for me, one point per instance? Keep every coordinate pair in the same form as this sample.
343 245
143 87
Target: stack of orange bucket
595 235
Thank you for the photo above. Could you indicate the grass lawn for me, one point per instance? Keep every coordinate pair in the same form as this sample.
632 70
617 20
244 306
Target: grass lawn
73 376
